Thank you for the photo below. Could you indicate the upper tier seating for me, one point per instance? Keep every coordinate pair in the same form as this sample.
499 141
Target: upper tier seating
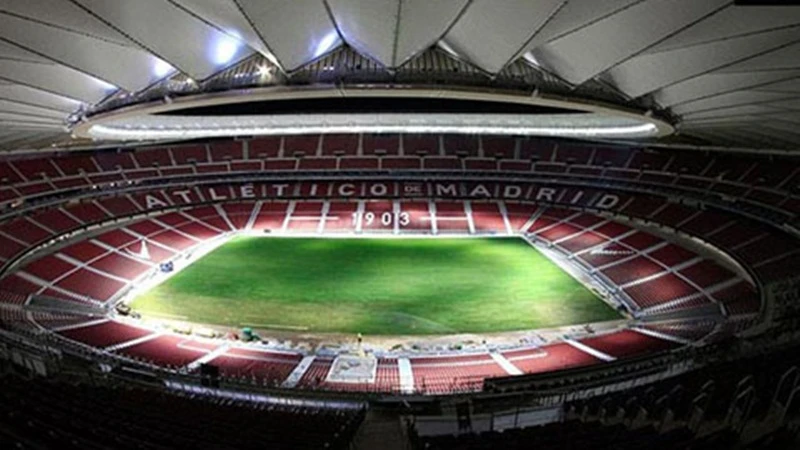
773 183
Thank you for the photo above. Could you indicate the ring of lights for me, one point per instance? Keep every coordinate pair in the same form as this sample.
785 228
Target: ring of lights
589 120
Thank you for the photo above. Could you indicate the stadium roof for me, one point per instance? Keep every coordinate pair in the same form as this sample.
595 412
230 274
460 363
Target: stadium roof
722 74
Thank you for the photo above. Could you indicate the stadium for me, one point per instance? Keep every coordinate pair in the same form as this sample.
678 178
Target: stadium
399 224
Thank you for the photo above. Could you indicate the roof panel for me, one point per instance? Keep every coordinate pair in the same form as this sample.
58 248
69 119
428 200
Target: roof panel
574 15
227 16
132 67
730 22
187 43
787 86
648 72
793 117
10 51
422 23
369 26
296 31
784 117
786 127
730 112
30 126
589 51
36 97
718 83
24 138
56 79
34 111
491 36
393 31
67 15
6 116
784 58
728 100
790 104
32 138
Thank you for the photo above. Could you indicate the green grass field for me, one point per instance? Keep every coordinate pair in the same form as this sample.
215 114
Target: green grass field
376 286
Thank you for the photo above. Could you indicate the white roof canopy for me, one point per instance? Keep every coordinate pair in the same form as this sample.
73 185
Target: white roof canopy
721 70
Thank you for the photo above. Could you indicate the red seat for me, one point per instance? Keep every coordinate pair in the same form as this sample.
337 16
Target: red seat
627 343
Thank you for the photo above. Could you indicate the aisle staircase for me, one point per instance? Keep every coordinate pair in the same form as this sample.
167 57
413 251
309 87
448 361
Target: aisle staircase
381 430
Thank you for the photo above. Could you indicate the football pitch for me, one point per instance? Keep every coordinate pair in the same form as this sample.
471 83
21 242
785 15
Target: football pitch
376 286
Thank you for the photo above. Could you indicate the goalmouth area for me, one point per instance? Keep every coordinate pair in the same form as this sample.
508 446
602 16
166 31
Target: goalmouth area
376 286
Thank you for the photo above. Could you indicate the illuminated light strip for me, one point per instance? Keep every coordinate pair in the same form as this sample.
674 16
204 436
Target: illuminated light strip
553 125
105 132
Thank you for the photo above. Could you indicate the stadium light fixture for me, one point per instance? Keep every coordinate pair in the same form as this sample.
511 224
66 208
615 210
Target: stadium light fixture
446 47
326 43
162 68
265 73
225 48
528 56
106 86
